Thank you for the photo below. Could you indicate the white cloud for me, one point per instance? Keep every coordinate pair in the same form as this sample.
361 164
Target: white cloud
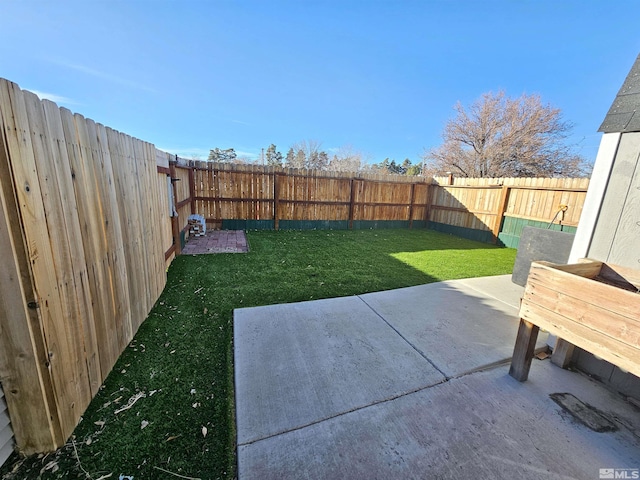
105 76
203 153
185 152
53 97
241 122
242 153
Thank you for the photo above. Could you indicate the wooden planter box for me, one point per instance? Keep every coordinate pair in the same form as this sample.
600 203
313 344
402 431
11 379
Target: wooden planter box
592 305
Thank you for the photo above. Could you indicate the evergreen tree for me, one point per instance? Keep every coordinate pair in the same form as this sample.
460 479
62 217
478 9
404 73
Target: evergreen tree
312 161
406 165
300 159
219 155
414 169
273 157
323 161
290 158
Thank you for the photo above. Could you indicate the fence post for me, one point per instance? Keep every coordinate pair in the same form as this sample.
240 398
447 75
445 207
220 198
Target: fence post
430 200
502 207
351 200
175 226
192 188
275 201
413 191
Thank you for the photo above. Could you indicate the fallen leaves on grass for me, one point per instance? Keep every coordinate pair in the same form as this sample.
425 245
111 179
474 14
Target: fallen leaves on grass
175 474
52 465
131 402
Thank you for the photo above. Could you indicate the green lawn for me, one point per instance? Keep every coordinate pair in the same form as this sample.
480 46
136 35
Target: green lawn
180 364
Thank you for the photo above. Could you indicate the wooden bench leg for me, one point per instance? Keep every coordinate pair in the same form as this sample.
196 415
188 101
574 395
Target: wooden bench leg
562 353
523 351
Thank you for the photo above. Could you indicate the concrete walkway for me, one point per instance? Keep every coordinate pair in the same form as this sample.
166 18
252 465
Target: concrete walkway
412 383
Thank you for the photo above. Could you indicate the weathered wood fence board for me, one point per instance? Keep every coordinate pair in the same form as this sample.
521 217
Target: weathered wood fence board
23 373
485 204
224 192
165 197
228 192
83 237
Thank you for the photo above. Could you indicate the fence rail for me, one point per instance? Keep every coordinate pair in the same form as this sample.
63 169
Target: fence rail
253 196
497 209
270 197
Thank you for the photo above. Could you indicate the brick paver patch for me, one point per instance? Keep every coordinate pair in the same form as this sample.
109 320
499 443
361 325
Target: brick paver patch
217 241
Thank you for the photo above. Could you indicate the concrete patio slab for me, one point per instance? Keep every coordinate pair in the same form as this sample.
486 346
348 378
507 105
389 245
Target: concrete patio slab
412 383
297 364
481 426
459 325
500 287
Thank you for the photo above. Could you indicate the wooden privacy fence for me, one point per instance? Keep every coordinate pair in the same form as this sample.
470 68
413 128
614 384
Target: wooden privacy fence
82 238
258 197
497 209
253 196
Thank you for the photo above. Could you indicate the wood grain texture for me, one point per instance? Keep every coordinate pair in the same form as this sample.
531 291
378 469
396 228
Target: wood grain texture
81 352
84 229
562 353
222 191
523 350
70 382
600 318
23 372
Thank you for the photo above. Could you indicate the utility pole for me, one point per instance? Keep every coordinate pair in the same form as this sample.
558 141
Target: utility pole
262 155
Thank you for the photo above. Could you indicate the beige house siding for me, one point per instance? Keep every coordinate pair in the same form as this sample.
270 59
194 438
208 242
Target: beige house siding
6 434
616 237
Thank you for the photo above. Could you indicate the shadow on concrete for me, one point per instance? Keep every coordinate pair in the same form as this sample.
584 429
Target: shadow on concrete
411 383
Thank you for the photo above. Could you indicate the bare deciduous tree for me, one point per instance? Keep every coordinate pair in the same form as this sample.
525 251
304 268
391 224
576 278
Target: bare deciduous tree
310 150
500 136
347 159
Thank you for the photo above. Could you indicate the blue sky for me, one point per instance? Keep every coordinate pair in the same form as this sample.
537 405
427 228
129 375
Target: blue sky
381 76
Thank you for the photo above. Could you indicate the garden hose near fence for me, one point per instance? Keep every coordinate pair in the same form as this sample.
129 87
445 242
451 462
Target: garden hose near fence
561 209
